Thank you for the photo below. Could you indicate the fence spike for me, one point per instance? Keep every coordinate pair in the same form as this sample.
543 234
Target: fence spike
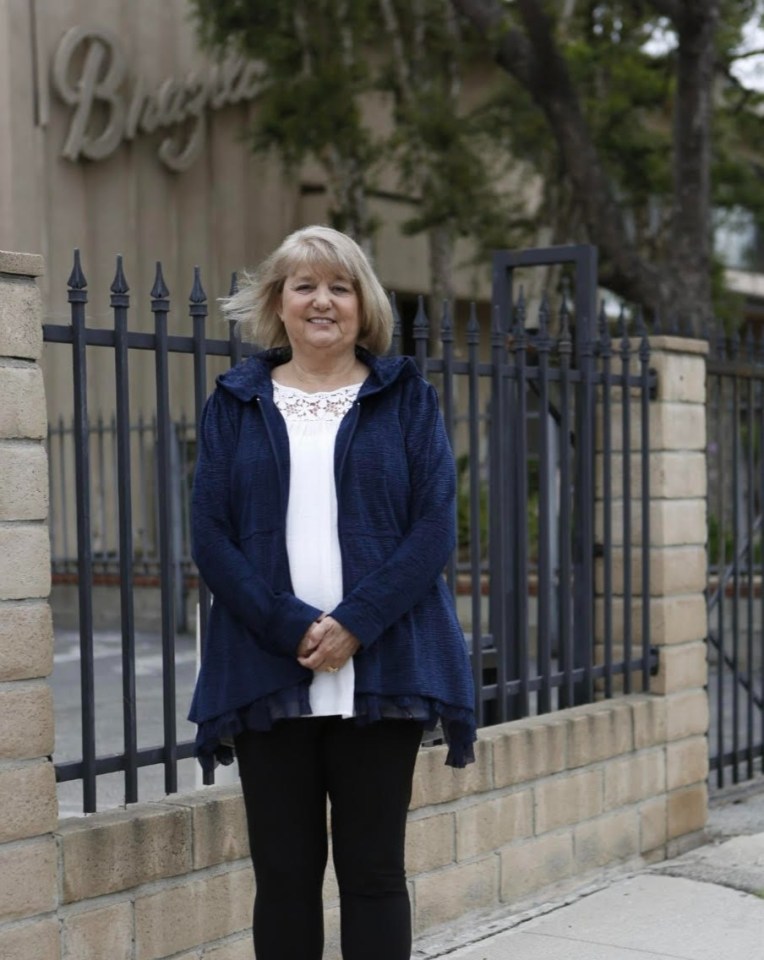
234 288
397 328
565 315
520 308
446 326
602 324
623 324
197 294
565 342
644 341
497 331
543 316
77 279
473 325
159 291
421 323
625 341
641 326
119 284
606 341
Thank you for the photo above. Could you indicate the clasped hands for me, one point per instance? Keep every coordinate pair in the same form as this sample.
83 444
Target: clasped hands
327 645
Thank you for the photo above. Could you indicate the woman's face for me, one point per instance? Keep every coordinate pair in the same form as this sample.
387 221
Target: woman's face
320 311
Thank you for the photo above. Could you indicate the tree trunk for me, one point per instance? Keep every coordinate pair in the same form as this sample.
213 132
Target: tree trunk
410 75
681 281
441 253
691 251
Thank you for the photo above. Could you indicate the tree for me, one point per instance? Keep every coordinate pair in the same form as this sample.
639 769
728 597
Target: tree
446 153
321 62
316 72
649 137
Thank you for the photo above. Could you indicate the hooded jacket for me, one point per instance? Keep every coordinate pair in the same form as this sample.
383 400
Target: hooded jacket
395 483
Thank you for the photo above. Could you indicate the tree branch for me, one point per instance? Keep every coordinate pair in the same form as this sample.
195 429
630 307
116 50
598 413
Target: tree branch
748 53
399 59
513 51
535 60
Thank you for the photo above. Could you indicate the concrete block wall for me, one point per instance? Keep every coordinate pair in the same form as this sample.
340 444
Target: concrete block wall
678 563
28 807
549 798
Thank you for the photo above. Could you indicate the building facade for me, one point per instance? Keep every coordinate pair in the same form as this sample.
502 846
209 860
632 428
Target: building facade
117 135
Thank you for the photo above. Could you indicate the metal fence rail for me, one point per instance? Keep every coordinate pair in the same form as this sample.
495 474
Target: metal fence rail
736 546
520 397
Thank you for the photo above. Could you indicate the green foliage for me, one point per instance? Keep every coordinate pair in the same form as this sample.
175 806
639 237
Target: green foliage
446 153
622 59
714 546
316 70
324 58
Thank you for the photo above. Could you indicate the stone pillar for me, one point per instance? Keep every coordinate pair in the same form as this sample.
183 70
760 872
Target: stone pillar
28 807
678 565
678 573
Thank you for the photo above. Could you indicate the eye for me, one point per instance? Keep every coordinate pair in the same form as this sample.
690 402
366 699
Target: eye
341 288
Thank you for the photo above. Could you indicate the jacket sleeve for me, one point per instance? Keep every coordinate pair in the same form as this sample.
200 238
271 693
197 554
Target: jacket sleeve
382 597
277 620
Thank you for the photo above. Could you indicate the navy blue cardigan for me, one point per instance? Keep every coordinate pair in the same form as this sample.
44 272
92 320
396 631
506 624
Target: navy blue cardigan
395 482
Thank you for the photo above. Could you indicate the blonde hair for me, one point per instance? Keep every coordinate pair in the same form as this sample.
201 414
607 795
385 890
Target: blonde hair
255 306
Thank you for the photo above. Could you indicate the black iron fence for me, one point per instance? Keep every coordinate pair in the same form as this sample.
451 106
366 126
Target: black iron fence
526 392
736 547
143 441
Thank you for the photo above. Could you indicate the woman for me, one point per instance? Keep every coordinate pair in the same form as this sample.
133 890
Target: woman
323 516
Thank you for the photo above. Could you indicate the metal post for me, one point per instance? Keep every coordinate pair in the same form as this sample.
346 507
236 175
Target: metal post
160 306
120 301
78 298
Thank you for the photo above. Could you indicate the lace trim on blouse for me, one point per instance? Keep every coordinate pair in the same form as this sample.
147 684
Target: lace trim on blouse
295 404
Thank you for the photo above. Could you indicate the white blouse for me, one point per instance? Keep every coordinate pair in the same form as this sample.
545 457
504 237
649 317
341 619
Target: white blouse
313 546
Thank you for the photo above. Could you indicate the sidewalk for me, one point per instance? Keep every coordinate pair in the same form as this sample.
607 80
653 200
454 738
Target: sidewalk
705 905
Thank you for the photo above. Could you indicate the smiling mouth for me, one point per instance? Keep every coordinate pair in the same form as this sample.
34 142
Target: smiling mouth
320 320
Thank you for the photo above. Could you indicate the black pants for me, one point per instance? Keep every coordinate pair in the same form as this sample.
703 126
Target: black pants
366 771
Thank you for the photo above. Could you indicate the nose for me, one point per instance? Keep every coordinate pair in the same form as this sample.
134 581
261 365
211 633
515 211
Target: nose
321 296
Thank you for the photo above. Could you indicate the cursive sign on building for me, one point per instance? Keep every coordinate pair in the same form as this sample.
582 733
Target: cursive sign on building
89 73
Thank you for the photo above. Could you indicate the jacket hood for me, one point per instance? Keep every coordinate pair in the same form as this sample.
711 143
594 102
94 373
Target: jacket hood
252 377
